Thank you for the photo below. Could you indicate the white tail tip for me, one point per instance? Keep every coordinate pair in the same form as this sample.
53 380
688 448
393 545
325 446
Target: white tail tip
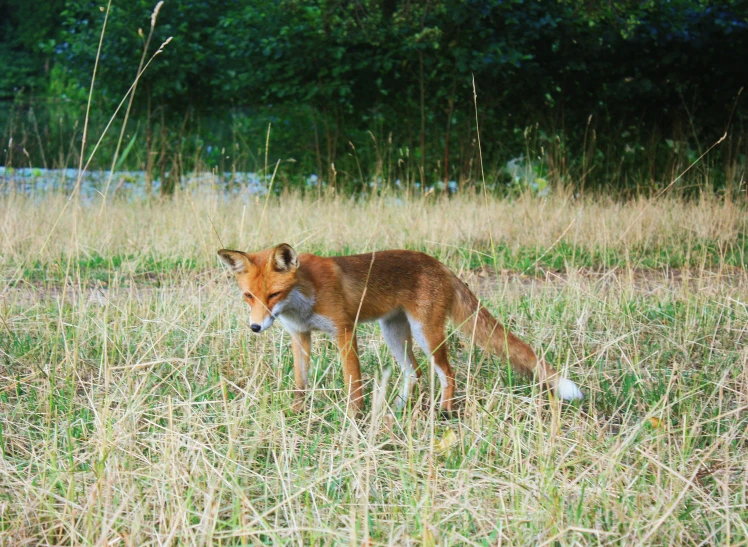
568 390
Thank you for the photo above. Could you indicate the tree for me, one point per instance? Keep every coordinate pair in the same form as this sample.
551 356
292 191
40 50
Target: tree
27 44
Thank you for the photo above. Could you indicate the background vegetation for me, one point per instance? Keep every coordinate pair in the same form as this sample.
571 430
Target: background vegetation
621 94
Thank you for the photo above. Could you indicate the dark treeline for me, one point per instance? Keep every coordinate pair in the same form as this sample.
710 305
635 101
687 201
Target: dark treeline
623 92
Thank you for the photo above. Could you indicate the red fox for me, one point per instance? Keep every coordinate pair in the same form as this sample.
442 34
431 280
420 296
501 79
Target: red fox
410 293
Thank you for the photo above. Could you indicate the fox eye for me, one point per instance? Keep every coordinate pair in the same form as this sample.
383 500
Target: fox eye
270 297
249 295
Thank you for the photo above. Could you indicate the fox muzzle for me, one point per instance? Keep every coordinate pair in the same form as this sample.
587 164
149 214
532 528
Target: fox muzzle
259 327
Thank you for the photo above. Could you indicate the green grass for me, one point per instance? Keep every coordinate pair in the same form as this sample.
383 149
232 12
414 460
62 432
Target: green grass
142 270
143 411
154 270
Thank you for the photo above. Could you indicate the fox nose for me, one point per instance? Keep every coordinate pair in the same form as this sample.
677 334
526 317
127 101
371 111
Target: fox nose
255 327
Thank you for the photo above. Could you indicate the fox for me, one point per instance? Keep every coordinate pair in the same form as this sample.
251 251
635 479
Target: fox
410 293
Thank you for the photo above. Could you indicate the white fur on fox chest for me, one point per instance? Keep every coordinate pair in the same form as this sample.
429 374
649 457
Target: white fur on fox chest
296 314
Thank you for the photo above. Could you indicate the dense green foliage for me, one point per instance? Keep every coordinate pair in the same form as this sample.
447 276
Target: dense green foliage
28 32
626 92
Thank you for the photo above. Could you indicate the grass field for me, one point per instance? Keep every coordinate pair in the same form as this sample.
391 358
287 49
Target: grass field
136 407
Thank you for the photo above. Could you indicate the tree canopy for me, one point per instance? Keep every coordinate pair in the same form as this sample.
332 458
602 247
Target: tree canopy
628 71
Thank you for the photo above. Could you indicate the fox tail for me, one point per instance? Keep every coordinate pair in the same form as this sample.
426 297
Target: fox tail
477 322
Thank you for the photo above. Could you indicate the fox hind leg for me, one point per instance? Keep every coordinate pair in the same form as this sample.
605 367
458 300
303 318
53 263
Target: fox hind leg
431 337
397 334
446 374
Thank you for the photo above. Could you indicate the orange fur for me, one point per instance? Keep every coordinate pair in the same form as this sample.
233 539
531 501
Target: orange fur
411 293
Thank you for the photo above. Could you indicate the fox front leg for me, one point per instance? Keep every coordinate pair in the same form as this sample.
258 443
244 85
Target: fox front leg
301 343
351 368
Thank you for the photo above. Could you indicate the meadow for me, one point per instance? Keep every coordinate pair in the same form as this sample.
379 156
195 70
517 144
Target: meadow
137 408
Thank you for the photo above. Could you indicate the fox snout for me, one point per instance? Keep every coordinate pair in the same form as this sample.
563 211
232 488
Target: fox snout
257 326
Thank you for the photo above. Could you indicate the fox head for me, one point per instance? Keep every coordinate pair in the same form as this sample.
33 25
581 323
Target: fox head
265 278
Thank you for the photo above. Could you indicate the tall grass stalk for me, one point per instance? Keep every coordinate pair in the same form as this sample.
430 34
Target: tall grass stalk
131 97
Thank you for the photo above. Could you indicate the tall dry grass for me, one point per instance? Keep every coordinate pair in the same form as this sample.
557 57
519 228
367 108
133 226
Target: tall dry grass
193 225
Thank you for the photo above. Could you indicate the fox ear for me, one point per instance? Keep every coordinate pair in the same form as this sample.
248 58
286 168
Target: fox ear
285 258
237 261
